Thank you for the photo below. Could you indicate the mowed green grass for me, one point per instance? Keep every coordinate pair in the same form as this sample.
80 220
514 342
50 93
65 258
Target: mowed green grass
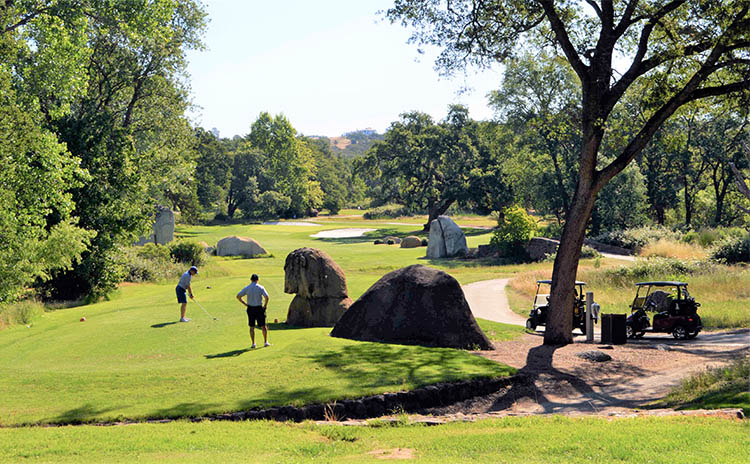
673 440
131 359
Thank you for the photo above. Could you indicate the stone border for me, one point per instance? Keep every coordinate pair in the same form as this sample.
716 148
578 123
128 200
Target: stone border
375 405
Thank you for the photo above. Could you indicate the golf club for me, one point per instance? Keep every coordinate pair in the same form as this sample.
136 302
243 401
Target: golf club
204 309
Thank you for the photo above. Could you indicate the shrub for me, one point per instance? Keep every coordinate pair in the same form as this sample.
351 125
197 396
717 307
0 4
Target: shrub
552 230
657 269
514 229
387 212
424 242
188 253
149 264
390 242
733 250
637 238
221 217
378 242
707 237
586 253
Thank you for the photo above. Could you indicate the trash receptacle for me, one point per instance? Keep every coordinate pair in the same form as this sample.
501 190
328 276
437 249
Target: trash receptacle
613 329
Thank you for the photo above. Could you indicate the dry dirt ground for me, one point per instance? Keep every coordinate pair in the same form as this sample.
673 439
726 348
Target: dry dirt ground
555 380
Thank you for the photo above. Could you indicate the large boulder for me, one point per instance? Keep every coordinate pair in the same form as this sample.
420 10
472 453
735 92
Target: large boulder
239 246
316 312
163 228
446 239
320 286
415 305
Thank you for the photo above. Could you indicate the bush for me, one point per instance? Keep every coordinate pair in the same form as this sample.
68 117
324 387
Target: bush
387 212
733 250
221 217
552 230
424 242
515 228
657 269
637 238
378 242
149 263
586 253
707 237
188 253
390 242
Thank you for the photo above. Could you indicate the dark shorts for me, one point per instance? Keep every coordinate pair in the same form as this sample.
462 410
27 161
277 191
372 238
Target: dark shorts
256 314
181 294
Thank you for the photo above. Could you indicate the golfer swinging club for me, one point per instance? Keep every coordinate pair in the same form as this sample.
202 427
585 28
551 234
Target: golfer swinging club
184 286
256 311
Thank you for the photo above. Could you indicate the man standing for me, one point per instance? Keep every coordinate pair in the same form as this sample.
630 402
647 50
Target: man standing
256 309
184 286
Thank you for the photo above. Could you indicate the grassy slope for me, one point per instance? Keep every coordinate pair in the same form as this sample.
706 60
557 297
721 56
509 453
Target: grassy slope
512 440
130 358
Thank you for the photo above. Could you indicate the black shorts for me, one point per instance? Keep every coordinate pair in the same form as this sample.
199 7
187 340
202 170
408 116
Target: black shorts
181 294
256 314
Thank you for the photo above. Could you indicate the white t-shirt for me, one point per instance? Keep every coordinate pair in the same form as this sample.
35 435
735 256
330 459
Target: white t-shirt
254 294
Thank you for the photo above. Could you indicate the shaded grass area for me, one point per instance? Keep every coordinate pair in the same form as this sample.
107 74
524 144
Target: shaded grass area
671 440
715 388
723 291
499 332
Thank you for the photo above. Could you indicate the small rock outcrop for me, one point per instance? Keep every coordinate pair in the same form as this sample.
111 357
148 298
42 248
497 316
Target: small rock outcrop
538 248
239 246
320 288
595 356
415 305
446 239
411 242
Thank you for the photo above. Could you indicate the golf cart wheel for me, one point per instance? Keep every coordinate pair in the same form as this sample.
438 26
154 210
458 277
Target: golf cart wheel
530 324
679 332
640 334
629 331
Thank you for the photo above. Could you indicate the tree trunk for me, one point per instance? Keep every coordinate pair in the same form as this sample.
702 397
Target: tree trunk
435 210
560 317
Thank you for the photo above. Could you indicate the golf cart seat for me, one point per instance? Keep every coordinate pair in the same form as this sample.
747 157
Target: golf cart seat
659 301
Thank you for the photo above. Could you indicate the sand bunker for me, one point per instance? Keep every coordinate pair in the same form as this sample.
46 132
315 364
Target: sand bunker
341 233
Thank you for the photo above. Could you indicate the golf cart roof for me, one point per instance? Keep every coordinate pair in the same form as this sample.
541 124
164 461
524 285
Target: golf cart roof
666 283
549 282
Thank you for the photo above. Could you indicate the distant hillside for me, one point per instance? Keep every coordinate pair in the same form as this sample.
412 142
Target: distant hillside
353 144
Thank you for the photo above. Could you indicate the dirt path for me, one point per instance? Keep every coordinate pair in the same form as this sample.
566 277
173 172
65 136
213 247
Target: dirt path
558 381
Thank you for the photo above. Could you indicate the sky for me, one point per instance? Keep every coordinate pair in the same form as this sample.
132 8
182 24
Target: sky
330 66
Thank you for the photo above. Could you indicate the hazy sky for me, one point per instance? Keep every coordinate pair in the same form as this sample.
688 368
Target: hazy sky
331 66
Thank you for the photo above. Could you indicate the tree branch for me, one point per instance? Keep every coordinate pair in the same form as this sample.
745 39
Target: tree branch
558 27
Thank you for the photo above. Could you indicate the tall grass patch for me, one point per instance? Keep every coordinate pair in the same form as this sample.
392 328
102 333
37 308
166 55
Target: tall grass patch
665 248
22 312
714 388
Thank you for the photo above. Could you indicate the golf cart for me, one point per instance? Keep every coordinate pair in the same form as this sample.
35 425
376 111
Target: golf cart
538 314
675 311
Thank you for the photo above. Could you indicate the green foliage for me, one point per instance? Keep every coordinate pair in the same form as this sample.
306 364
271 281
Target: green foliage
188 253
21 312
387 212
39 232
657 269
212 170
637 238
149 263
733 250
514 229
586 253
707 236
272 204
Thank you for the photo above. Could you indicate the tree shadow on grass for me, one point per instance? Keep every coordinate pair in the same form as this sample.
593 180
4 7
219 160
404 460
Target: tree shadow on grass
369 237
227 354
183 410
81 414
